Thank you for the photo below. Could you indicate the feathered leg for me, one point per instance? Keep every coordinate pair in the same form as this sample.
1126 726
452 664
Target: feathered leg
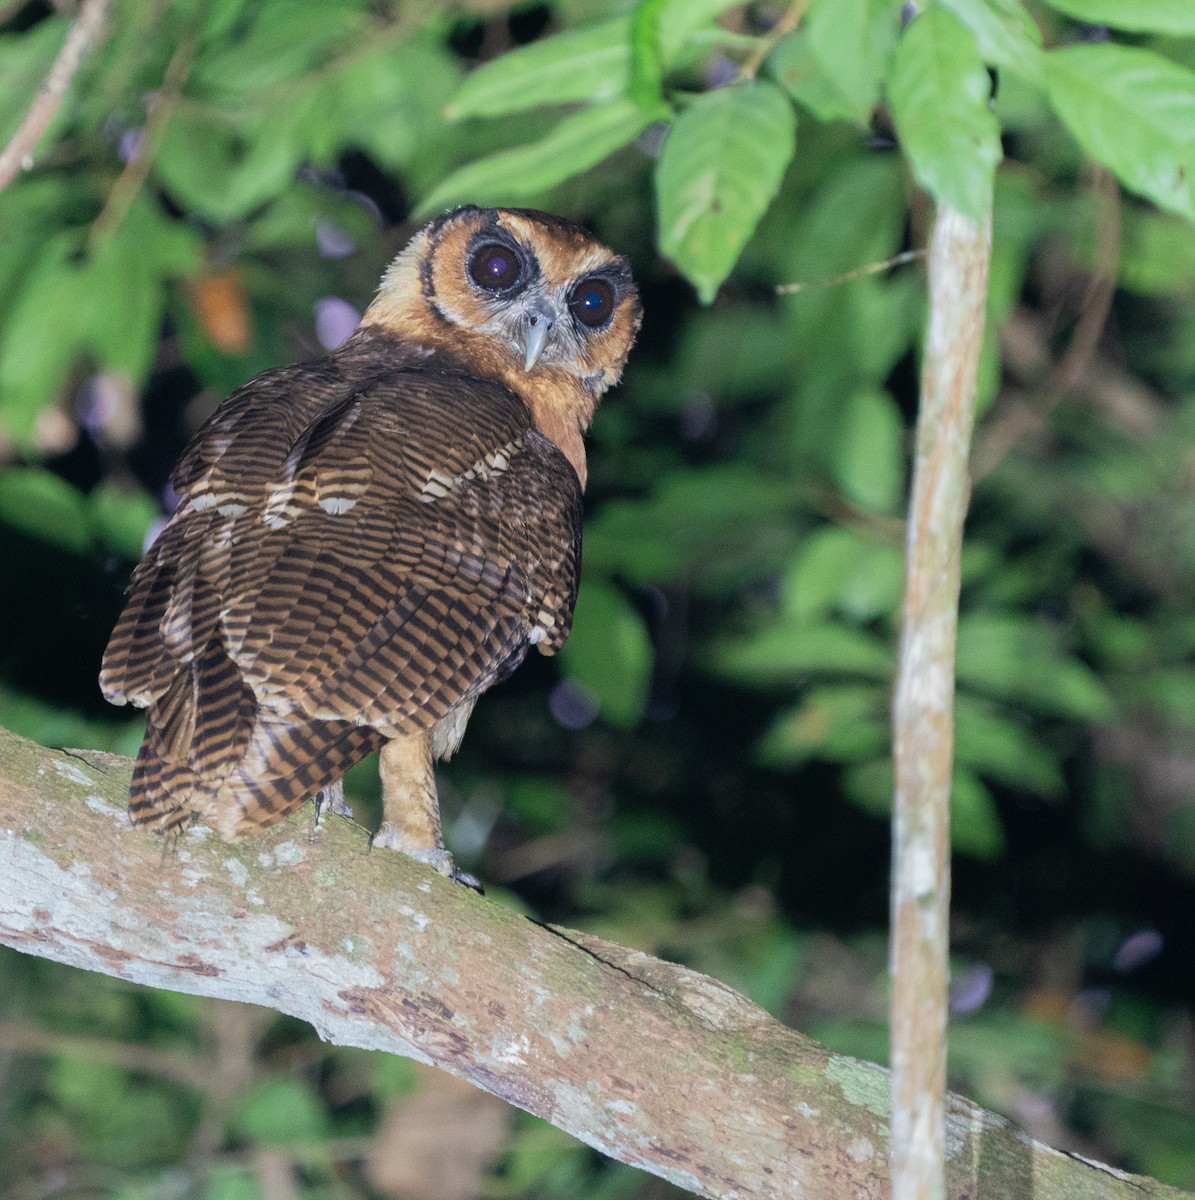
411 809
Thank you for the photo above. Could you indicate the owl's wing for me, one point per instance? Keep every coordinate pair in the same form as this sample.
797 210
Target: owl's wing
370 556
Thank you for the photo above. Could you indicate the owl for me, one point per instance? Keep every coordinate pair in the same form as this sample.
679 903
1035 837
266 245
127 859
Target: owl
366 542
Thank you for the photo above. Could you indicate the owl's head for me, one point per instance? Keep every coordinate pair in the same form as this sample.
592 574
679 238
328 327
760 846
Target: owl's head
523 297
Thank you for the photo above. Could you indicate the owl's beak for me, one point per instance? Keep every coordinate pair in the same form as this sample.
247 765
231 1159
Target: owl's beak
537 328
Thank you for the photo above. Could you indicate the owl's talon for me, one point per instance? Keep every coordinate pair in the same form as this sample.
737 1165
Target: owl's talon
331 799
389 838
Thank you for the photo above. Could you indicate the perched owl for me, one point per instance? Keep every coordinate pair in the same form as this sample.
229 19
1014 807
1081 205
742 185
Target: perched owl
367 542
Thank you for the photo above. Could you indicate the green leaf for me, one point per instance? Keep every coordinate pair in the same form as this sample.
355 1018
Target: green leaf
647 61
837 570
837 724
1134 112
1143 16
1157 257
575 145
1019 658
610 653
585 64
994 744
282 45
722 163
47 507
37 350
122 518
835 63
1006 34
281 1110
781 653
975 826
939 91
869 465
679 20
223 172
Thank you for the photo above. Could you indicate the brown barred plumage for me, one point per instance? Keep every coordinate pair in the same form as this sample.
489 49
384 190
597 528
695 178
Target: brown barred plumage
367 542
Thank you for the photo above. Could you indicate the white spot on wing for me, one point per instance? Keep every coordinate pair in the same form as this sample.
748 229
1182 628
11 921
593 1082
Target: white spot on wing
336 504
439 484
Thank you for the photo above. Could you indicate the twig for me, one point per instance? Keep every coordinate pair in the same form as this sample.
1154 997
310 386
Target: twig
787 23
128 184
873 268
85 31
960 252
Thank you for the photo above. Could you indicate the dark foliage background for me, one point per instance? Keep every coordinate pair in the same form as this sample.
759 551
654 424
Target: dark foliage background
705 772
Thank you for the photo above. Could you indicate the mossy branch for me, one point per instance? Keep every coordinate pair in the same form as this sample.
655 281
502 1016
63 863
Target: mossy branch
650 1063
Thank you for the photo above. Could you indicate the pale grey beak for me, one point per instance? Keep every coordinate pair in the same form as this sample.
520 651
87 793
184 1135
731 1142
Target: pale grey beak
539 321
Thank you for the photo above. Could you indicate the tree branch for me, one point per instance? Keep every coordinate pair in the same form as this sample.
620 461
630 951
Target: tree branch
648 1062
84 32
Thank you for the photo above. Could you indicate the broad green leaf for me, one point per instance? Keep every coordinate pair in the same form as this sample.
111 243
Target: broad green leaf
122 518
647 62
1157 257
394 100
222 172
283 45
836 724
722 163
995 744
679 20
786 651
41 504
575 145
1020 658
975 826
1133 111
869 464
838 570
835 63
36 351
939 91
280 1110
610 653
227 1182
1143 16
585 64
1006 34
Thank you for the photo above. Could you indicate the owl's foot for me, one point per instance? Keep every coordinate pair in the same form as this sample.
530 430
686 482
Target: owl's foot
389 838
331 799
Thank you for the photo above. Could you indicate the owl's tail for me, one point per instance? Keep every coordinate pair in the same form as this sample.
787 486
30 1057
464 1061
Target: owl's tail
211 749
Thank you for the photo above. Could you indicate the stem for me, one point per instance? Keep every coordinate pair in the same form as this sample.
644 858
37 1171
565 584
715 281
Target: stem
923 708
83 33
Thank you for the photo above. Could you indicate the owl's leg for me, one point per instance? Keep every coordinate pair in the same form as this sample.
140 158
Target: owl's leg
411 809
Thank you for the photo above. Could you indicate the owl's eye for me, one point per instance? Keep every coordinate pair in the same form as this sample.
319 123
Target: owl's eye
495 267
592 302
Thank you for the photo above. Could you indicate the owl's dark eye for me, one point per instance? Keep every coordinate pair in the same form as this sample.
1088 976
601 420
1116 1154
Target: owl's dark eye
592 302
495 267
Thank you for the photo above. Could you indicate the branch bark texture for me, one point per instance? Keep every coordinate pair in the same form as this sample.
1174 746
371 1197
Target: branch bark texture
650 1063
923 724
